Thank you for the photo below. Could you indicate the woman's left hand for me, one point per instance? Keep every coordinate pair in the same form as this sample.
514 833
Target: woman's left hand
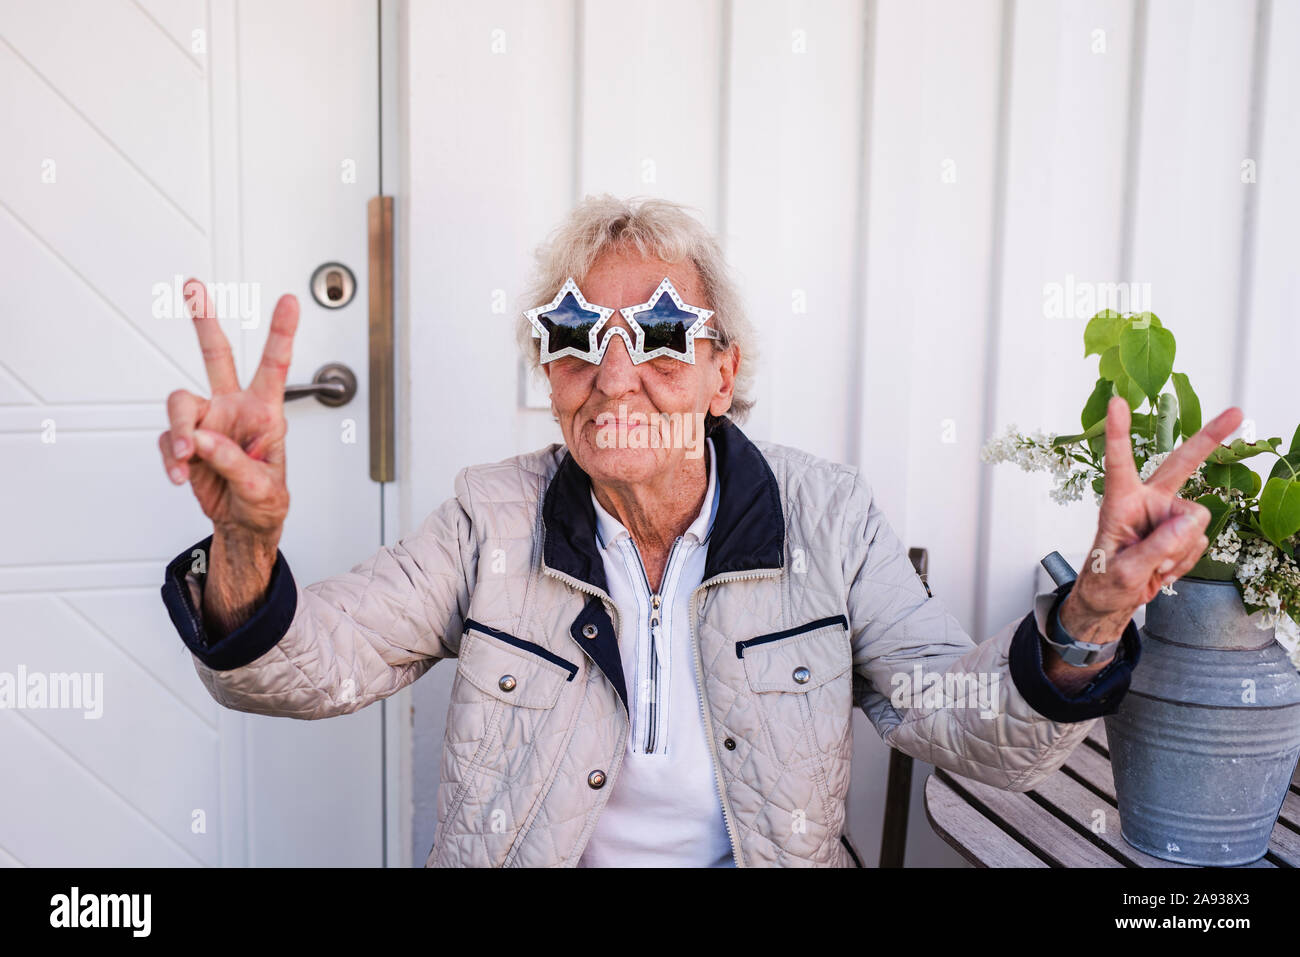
1146 535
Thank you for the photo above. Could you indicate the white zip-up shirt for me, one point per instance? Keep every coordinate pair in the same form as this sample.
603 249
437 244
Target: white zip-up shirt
664 810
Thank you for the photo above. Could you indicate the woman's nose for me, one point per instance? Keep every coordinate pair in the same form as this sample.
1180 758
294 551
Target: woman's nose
617 372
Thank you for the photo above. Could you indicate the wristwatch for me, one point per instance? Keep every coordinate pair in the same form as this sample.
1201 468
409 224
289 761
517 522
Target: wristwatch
1071 649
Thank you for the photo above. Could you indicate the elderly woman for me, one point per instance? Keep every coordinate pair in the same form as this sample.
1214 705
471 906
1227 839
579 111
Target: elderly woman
661 627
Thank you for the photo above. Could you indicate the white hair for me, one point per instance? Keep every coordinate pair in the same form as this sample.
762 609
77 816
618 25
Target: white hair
656 228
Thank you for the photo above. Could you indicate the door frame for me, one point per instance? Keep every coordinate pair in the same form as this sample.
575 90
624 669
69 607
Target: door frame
397 739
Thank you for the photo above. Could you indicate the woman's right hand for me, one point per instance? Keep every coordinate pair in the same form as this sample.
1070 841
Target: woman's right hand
230 447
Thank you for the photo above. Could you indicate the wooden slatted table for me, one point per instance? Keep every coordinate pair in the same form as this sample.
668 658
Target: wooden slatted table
1053 825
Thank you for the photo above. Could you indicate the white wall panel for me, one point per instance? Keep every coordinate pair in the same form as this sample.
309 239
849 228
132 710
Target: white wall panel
1063 223
650 101
792 194
1269 332
1190 197
930 235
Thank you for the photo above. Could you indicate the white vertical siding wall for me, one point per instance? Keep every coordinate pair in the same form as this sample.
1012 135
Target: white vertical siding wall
894 183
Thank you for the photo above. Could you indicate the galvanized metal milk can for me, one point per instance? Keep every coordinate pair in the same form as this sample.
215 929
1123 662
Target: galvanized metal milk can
1204 744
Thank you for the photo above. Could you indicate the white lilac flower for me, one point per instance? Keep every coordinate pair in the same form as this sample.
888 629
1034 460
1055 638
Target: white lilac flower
1195 485
1001 448
1255 592
1070 488
1032 451
1258 558
1227 547
1151 464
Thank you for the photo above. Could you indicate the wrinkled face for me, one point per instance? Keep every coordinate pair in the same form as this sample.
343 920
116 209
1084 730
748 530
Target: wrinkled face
608 411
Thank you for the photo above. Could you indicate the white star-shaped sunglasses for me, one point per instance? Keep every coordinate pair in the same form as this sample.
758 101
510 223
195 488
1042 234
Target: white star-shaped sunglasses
664 325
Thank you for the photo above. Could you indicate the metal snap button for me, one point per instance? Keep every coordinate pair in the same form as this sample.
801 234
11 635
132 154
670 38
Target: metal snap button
801 675
507 683
590 631
596 780
729 744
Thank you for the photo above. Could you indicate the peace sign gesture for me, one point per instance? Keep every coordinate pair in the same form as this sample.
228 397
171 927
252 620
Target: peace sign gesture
1146 535
231 446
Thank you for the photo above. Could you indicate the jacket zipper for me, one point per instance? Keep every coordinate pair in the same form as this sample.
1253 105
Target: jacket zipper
727 813
652 714
656 602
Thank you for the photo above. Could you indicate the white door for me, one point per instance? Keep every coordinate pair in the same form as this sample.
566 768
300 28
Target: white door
144 141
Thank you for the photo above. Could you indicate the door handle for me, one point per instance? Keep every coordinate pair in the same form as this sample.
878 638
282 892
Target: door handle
379 225
333 385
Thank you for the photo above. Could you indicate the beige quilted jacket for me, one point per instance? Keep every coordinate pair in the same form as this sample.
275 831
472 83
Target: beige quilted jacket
803 574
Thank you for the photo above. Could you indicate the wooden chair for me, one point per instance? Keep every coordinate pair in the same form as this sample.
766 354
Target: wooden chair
898 788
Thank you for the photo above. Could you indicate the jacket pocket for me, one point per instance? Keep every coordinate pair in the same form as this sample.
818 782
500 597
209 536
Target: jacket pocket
504 693
800 678
798 659
512 670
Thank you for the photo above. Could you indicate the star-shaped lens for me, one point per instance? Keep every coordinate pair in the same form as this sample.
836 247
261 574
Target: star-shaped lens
665 325
568 325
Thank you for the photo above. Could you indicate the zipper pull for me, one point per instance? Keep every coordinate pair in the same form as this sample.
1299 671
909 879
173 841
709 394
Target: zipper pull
655 601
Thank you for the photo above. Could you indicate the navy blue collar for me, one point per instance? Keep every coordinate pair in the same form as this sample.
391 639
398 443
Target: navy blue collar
748 531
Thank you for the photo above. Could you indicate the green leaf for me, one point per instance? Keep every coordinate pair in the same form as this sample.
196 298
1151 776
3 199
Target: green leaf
1233 475
1219 512
1097 428
1237 450
1279 510
1147 354
1112 368
1166 422
1143 320
1280 467
1102 332
1094 410
1295 441
1208 568
1189 406
1099 485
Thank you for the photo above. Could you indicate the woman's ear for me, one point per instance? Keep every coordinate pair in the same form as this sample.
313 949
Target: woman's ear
550 392
728 366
